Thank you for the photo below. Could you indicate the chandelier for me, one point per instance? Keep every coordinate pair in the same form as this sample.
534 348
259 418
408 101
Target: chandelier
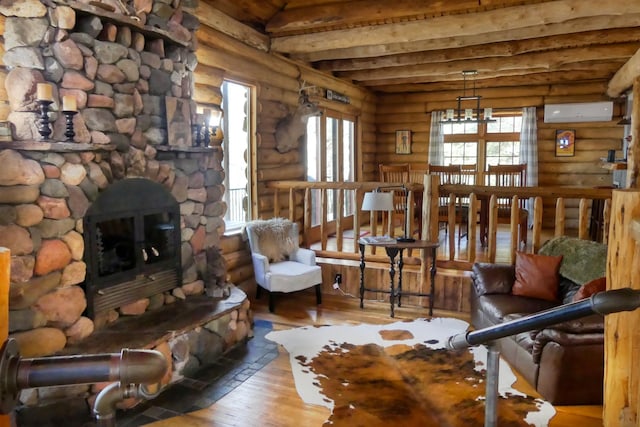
468 115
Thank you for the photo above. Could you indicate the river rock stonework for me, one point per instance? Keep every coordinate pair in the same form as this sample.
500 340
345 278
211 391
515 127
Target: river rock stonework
125 74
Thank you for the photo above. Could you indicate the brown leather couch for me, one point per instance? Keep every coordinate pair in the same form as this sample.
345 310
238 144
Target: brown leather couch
565 362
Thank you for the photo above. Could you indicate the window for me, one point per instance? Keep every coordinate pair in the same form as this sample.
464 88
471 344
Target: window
483 144
330 158
237 107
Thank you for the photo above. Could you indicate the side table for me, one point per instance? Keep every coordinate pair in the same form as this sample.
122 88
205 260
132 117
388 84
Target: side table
394 248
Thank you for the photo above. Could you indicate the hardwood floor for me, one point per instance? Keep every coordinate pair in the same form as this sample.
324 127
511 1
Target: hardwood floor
269 397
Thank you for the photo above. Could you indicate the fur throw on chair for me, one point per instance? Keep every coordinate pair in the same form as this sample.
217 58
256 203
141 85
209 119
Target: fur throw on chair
274 238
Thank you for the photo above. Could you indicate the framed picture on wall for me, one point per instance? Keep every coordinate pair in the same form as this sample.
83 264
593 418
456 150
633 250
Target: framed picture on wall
565 143
403 142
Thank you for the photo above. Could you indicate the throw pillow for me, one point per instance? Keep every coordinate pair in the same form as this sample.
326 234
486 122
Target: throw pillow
537 276
590 288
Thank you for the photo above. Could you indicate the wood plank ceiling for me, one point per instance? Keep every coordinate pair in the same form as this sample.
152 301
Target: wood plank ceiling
424 45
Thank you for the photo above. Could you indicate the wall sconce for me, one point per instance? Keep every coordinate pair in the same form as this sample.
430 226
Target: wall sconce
377 200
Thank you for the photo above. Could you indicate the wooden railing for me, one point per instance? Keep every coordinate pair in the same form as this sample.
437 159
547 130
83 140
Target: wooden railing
475 197
555 196
327 228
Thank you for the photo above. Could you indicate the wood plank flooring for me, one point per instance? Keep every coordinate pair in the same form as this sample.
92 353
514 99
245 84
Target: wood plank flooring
269 397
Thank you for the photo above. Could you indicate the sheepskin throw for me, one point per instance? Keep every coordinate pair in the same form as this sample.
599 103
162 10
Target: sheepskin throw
583 260
274 238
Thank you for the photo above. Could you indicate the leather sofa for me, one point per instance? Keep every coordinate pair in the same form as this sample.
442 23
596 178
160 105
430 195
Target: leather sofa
564 362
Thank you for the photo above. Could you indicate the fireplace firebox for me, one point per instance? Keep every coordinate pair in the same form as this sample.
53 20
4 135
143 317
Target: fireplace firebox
132 244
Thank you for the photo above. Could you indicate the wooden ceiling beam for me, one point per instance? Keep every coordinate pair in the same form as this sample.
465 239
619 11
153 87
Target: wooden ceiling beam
214 18
549 61
625 76
362 12
501 49
506 19
583 71
575 26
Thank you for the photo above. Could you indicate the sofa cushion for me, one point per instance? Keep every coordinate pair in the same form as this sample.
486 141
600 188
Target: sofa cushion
583 260
496 307
590 288
537 276
492 278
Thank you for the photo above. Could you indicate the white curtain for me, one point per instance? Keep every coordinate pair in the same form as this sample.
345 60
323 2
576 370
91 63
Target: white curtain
529 151
436 139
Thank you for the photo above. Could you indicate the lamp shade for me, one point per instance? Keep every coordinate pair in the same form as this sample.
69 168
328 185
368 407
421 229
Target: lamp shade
377 201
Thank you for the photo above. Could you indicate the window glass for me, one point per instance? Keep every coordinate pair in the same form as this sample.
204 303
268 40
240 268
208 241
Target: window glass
236 145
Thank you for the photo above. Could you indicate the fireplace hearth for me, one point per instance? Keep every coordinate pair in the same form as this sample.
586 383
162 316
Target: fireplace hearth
132 241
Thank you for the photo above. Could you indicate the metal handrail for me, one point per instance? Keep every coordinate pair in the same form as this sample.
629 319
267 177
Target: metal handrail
604 303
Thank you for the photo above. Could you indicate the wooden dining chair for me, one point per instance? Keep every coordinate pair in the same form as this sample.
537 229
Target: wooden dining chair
451 174
510 176
396 174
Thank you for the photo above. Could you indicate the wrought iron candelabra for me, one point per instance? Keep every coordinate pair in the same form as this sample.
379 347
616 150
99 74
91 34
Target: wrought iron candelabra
69 133
43 122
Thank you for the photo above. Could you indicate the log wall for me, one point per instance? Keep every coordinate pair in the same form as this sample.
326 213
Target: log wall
277 81
593 140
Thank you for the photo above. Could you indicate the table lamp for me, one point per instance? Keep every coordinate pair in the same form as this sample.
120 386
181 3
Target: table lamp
377 200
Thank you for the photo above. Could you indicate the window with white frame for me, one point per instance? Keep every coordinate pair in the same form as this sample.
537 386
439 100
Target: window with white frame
236 104
483 144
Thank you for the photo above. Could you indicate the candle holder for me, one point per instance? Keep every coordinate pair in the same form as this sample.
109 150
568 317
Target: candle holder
69 133
196 131
207 136
43 122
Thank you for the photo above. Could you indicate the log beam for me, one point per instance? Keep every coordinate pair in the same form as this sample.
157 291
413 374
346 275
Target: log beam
212 17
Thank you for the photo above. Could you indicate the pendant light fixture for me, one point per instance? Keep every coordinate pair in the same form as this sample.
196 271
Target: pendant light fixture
468 115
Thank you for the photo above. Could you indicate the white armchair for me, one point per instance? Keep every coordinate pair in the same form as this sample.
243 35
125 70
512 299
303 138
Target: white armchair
279 264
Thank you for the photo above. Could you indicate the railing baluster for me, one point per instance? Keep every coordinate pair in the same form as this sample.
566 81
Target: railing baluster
339 216
537 224
493 227
451 226
515 225
471 230
560 215
583 220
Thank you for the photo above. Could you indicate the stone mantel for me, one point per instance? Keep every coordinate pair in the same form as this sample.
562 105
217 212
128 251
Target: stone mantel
121 19
56 147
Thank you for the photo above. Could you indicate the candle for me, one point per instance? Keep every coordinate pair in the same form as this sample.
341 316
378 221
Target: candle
44 92
69 103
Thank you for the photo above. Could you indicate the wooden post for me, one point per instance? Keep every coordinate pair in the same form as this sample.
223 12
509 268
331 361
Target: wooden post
5 269
622 335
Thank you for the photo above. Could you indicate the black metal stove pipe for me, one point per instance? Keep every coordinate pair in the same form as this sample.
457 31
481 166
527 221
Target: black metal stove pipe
128 367
626 299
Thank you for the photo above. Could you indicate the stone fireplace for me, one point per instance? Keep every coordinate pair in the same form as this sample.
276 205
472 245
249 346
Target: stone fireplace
133 228
126 218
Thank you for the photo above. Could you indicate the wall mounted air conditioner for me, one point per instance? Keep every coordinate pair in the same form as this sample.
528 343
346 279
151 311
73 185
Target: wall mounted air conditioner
578 112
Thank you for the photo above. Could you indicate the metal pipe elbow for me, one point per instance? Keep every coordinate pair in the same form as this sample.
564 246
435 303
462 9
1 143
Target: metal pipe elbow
104 407
142 366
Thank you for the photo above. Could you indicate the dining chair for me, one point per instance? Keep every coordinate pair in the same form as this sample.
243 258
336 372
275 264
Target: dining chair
510 176
451 174
397 173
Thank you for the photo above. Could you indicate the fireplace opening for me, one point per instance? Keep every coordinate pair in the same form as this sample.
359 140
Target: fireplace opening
132 244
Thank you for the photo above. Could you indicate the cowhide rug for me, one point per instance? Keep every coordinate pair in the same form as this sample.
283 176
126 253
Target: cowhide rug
401 374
